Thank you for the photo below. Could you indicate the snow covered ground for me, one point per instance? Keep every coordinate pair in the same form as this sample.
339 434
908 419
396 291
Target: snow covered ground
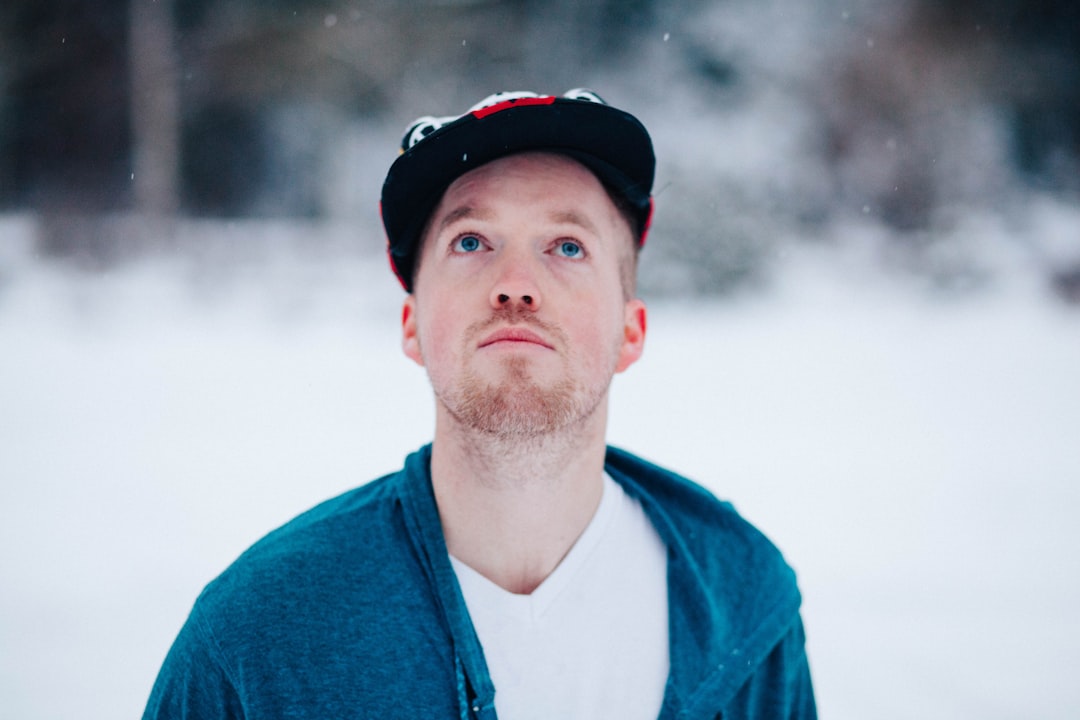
916 457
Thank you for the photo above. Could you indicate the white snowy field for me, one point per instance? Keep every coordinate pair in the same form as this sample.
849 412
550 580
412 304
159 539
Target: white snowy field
916 457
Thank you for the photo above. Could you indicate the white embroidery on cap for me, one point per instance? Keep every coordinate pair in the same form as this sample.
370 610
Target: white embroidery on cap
584 94
422 127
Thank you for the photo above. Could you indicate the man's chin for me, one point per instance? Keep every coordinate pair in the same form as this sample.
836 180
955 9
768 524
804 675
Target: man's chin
518 409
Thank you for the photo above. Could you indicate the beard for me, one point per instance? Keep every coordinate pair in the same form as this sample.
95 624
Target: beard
514 406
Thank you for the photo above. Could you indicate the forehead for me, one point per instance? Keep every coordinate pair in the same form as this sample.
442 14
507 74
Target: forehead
536 170
547 185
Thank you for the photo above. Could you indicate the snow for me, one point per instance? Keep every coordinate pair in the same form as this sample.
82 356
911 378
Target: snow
913 453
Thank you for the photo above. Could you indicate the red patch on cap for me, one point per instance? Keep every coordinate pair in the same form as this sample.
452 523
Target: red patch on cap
648 223
517 102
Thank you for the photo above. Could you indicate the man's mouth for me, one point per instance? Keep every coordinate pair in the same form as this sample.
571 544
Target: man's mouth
515 335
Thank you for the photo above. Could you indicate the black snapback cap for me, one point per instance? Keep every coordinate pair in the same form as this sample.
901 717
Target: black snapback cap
435 151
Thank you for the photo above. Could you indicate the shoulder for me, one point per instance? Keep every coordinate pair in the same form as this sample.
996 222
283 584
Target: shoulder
680 494
358 513
724 549
692 511
342 546
289 627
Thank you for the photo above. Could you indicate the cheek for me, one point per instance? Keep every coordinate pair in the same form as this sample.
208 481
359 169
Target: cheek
600 342
435 337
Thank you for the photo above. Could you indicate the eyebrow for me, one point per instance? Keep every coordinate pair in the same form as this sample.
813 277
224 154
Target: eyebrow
559 217
570 217
464 212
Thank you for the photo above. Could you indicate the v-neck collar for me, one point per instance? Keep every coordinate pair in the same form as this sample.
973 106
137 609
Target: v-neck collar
532 606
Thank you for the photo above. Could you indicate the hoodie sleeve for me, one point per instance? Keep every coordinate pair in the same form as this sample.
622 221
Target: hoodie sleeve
780 689
193 683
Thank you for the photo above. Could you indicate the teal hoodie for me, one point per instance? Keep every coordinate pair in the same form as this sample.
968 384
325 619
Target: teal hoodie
352 610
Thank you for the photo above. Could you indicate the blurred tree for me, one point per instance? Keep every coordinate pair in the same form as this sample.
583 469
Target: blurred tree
155 104
223 161
951 101
64 127
155 107
1037 77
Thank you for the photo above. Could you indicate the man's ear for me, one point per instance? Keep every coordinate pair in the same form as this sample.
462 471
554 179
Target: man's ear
410 342
633 344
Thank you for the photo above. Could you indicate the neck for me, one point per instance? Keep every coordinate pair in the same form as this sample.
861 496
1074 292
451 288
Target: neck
512 507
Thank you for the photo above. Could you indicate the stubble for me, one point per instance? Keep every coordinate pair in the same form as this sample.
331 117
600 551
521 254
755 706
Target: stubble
514 405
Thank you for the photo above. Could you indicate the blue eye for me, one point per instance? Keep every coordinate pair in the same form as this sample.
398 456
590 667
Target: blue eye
569 248
467 244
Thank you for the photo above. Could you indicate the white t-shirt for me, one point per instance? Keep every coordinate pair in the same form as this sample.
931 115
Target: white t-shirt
592 640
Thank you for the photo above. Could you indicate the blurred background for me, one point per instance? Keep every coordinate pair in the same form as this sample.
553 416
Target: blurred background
774 120
864 276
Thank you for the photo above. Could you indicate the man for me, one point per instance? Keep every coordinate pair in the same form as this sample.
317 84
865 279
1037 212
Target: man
516 565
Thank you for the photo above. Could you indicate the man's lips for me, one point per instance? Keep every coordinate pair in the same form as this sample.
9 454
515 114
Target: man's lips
515 335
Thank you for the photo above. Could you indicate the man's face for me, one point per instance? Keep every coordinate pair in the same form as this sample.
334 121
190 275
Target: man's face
518 313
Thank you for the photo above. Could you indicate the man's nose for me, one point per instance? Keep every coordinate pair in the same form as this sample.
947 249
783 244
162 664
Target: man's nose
503 299
516 287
